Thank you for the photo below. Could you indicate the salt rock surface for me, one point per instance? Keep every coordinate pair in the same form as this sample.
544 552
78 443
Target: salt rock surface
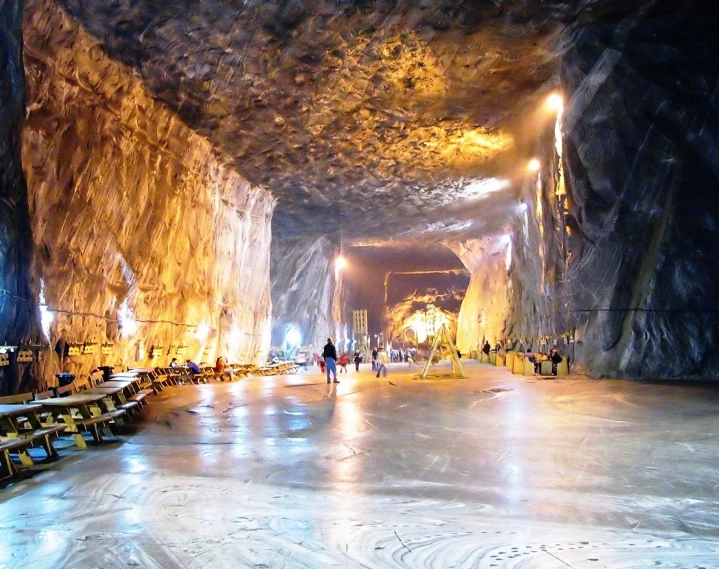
133 210
642 160
17 306
631 268
305 290
484 310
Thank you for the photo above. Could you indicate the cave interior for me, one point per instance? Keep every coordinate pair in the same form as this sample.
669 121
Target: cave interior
184 176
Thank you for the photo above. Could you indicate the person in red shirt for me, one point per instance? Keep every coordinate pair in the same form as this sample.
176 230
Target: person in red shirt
343 361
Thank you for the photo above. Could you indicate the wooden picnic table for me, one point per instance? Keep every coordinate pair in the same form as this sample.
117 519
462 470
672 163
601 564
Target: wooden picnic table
85 412
131 390
119 383
11 411
20 429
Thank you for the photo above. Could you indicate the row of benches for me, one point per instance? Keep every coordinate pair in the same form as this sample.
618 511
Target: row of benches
92 405
520 365
85 406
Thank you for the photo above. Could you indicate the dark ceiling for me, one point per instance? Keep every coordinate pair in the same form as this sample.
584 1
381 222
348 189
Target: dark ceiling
377 118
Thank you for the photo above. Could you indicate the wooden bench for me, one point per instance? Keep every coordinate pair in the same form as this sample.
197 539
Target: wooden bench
65 390
8 466
21 430
20 399
84 413
41 437
82 384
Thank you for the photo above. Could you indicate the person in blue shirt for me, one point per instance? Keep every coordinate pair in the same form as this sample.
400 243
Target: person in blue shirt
193 367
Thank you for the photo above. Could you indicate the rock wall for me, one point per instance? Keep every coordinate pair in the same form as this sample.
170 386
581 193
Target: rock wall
623 253
641 146
407 295
134 215
484 309
306 292
17 307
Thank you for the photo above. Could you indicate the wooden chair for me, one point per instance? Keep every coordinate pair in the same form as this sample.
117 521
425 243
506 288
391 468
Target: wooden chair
82 384
96 377
40 395
68 389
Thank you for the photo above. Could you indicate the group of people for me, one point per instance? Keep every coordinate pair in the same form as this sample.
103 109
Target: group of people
554 356
329 361
220 366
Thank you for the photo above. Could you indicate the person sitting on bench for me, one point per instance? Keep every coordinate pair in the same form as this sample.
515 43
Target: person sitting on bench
555 358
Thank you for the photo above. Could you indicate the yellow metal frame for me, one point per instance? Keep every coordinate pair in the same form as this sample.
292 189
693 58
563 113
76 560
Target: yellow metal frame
457 369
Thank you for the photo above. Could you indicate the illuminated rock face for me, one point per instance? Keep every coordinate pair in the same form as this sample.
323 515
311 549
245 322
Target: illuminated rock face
381 120
485 307
333 104
133 212
304 290
634 270
407 297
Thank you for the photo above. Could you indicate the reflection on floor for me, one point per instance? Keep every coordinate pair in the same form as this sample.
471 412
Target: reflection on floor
495 471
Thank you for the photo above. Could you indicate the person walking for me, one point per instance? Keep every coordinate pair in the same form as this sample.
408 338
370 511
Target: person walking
357 359
374 359
343 361
329 353
382 361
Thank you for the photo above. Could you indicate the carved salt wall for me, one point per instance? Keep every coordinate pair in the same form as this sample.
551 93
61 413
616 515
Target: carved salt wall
642 158
407 295
17 309
627 258
483 313
134 214
305 292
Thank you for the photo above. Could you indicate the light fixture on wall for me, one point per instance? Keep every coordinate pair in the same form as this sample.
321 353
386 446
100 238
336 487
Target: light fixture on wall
202 331
128 324
555 103
293 337
341 263
534 165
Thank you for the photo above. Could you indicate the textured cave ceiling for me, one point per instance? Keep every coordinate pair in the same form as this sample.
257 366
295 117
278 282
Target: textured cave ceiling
376 118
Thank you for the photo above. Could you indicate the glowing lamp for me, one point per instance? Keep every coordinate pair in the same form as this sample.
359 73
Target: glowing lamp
555 102
128 324
203 330
505 239
340 263
534 165
293 337
523 207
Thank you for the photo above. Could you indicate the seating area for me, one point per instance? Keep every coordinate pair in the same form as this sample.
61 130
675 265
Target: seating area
521 364
93 408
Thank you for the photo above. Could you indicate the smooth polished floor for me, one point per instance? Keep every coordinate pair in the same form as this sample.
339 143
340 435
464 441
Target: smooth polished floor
495 471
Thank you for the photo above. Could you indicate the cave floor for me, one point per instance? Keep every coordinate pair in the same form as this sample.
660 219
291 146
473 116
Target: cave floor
495 471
